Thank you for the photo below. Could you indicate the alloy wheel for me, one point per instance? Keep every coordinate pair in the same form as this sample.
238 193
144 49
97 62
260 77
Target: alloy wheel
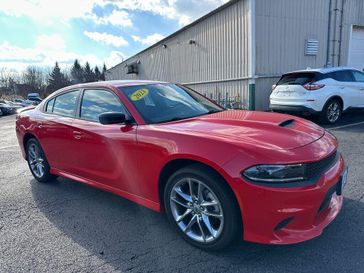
196 210
36 160
333 112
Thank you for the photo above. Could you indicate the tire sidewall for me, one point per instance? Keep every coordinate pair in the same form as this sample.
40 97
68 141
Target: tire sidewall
231 223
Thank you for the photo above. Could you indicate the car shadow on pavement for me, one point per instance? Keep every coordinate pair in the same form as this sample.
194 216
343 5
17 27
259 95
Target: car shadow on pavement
131 238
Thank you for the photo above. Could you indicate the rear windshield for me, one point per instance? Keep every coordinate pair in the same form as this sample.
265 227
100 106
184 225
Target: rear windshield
297 78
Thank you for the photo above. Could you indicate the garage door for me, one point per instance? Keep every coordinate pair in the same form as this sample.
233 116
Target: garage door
356 54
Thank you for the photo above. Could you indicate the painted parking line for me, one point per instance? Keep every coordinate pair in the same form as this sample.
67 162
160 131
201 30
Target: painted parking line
347 125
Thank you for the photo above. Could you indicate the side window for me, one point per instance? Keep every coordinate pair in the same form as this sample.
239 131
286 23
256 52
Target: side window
96 102
50 104
359 76
342 76
65 104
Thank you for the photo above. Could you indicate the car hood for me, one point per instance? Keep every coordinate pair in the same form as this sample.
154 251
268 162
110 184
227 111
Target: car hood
258 129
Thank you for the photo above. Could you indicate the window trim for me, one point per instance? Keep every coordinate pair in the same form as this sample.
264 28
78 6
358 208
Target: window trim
79 105
47 103
44 108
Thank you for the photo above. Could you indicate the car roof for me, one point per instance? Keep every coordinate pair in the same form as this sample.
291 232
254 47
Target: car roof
120 83
100 84
323 70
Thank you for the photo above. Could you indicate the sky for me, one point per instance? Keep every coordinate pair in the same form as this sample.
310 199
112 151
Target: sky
41 32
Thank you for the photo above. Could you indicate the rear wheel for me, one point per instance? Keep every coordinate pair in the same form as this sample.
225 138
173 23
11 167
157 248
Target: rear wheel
201 208
37 161
332 111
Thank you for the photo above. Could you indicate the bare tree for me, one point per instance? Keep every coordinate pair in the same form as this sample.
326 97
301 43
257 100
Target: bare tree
33 76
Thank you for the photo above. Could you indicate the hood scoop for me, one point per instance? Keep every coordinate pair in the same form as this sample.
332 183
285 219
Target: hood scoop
287 123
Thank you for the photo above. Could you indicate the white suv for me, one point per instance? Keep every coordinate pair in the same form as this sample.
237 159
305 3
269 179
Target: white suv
324 91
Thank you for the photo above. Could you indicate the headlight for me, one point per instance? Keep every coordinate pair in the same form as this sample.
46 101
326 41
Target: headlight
276 173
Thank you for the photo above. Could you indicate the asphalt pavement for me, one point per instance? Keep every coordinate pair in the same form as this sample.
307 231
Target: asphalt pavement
64 226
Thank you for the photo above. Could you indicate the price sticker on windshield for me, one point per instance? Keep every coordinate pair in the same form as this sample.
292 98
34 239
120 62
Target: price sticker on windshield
139 94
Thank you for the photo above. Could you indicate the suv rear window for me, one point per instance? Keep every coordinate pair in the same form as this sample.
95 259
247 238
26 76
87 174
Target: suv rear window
298 78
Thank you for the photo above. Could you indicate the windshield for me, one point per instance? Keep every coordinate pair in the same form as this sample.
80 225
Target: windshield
158 103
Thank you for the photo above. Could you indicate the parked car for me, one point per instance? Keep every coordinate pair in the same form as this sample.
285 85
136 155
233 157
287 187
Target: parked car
325 91
19 101
218 174
33 95
32 101
7 108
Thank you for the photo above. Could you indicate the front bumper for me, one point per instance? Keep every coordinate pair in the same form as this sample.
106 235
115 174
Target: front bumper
289 215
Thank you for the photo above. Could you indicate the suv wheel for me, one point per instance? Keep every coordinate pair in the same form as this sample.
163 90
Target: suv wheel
332 111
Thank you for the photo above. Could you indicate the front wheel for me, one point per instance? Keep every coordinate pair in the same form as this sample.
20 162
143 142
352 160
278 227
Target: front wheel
37 161
332 111
202 208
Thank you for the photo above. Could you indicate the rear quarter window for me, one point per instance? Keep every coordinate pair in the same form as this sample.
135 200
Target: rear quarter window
342 76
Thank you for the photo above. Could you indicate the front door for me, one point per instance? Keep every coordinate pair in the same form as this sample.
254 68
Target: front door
103 153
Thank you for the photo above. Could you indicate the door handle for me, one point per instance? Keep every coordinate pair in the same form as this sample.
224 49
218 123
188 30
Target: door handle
362 88
40 125
77 134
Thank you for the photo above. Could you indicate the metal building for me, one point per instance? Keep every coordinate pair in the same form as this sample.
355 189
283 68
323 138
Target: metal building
236 52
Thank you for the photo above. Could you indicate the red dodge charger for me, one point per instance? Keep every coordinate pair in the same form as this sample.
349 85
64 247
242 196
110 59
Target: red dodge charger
218 174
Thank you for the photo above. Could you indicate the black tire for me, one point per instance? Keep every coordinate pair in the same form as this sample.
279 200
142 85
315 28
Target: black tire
44 176
232 223
331 113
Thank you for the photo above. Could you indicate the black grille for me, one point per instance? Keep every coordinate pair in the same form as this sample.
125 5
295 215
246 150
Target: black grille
316 169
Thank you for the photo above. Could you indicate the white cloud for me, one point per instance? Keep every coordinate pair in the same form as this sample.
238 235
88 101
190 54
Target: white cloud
18 58
148 40
118 18
184 11
114 58
108 39
49 10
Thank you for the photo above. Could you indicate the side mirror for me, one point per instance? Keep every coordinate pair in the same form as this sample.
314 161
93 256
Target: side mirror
113 118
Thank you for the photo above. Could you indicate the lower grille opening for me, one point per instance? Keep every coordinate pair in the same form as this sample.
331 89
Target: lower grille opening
284 223
327 198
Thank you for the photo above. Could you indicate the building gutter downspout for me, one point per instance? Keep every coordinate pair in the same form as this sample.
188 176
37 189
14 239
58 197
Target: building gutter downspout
341 32
328 63
252 54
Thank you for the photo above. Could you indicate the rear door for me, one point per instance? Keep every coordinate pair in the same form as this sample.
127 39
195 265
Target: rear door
103 153
55 130
359 79
347 87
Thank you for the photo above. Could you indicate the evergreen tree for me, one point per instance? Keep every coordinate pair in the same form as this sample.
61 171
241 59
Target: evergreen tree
88 74
56 79
76 73
103 72
97 74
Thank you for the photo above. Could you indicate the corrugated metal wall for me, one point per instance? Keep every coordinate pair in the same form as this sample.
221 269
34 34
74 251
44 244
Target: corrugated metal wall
353 15
217 63
283 26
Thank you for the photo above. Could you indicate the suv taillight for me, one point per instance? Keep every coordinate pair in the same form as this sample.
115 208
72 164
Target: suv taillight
313 87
